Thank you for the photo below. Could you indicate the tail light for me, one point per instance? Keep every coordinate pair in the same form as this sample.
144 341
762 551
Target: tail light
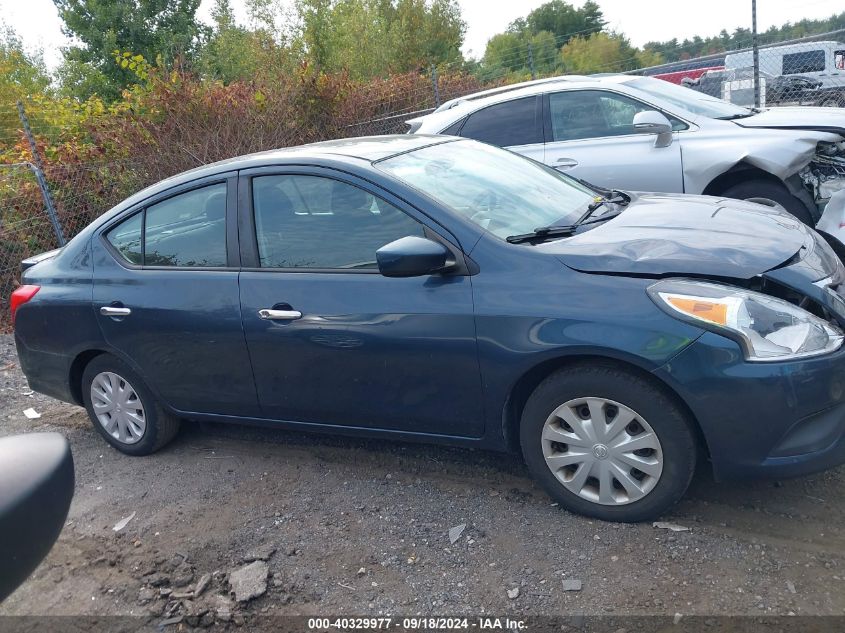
20 296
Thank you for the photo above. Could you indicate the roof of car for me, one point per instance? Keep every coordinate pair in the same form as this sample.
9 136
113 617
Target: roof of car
359 149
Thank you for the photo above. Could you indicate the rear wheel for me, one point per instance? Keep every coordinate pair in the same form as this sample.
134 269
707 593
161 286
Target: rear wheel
833 101
770 194
122 408
606 443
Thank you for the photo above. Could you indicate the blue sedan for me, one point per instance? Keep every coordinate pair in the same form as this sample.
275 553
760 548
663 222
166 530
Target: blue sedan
442 290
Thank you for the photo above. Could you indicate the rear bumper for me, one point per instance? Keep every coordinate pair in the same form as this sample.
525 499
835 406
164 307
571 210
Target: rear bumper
46 372
762 419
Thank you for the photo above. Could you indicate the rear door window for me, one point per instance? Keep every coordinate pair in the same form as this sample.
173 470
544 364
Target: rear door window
515 122
187 230
126 239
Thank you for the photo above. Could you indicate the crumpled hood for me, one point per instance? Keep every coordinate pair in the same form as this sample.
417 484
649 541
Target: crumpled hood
798 118
664 234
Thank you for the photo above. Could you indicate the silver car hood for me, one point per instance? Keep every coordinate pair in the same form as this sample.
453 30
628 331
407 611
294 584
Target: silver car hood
798 118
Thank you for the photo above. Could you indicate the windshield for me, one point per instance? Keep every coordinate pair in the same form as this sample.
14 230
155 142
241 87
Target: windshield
502 192
689 99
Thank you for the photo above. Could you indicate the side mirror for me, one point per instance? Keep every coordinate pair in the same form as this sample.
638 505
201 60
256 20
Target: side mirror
36 486
412 257
654 122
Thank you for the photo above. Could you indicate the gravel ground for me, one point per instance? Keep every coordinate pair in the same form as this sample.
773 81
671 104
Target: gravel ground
343 526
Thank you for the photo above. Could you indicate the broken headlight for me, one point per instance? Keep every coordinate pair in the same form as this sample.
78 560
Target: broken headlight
768 329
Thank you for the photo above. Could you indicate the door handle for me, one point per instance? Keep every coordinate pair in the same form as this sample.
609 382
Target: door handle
113 311
279 315
566 162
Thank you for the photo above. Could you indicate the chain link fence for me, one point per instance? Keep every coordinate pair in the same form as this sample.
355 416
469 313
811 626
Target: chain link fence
42 204
809 71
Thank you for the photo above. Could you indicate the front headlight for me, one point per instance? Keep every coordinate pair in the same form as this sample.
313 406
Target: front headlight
768 329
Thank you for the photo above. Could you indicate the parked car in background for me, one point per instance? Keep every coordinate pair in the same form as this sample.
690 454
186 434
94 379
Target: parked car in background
737 86
822 61
444 290
641 133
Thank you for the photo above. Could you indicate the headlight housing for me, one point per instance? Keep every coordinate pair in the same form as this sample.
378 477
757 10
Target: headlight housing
768 329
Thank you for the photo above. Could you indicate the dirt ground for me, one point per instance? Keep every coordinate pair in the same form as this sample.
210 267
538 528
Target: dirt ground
353 527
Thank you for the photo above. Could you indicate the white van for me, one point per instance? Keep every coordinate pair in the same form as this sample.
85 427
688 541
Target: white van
824 61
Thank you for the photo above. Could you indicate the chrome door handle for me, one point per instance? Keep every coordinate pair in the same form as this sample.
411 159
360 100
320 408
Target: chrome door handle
113 311
567 162
279 315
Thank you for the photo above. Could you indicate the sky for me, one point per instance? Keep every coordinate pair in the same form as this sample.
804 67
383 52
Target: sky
38 24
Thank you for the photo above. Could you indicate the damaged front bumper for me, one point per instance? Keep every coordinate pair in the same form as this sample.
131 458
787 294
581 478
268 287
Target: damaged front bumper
824 176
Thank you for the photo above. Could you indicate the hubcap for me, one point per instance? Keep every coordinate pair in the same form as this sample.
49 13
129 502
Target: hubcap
118 408
602 451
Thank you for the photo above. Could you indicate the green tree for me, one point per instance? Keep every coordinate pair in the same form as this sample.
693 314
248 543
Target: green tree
234 53
22 76
161 30
370 38
598 53
508 53
22 73
562 20
672 50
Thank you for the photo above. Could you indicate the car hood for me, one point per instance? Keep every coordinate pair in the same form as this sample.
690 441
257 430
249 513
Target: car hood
666 234
798 118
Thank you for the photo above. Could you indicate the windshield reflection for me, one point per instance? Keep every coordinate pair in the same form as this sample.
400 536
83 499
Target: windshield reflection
498 190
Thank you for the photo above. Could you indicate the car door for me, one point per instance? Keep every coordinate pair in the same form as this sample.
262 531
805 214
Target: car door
516 124
344 345
166 297
589 135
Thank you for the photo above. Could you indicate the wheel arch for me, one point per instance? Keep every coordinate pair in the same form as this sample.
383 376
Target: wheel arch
531 379
736 174
77 368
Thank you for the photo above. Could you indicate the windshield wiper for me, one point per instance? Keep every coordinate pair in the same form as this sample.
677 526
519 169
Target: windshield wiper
739 115
616 197
542 233
567 230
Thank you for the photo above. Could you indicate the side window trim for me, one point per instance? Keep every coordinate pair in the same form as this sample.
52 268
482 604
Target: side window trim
249 255
232 237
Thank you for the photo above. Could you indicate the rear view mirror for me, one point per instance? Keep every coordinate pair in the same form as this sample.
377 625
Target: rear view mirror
36 486
654 122
412 257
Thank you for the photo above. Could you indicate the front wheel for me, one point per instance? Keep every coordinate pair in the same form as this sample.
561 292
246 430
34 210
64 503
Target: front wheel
123 409
606 443
770 194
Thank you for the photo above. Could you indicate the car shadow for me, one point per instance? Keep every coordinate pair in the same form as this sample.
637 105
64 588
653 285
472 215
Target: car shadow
813 497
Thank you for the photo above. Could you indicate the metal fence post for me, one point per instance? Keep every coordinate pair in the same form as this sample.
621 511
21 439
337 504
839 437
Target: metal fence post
38 169
531 61
436 87
756 53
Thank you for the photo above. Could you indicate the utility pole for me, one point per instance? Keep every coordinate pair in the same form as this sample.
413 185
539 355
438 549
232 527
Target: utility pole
756 53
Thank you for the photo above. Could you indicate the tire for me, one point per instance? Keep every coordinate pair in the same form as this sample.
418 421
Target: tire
773 192
671 460
833 101
137 426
